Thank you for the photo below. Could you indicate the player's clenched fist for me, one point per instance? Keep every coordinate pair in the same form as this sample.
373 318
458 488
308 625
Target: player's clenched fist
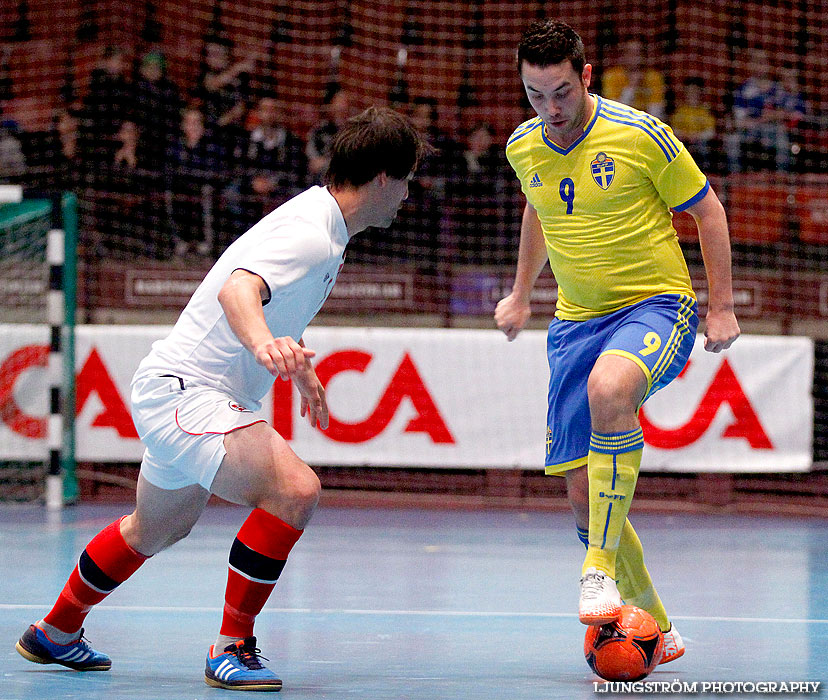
511 315
722 330
282 357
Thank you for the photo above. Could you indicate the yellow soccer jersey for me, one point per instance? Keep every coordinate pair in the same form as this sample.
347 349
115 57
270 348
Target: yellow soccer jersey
604 205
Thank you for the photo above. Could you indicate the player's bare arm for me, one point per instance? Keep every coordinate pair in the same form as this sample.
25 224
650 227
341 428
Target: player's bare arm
513 311
721 326
241 298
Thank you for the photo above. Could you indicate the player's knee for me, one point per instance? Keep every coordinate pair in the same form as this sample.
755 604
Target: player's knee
153 537
176 536
305 488
296 497
603 389
609 399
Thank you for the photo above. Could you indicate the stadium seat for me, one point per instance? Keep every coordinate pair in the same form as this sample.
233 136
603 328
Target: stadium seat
685 226
812 212
756 209
684 223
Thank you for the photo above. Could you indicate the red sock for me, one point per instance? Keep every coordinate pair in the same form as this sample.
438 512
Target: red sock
257 558
106 562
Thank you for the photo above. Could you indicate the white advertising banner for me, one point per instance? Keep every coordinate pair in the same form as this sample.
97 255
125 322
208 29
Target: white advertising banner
438 397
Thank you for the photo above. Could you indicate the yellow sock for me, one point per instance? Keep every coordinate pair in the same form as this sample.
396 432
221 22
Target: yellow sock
634 582
612 465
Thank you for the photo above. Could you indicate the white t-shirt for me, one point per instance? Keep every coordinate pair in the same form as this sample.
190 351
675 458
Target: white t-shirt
298 250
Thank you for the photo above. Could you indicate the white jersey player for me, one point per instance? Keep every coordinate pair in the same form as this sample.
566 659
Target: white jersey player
297 251
193 397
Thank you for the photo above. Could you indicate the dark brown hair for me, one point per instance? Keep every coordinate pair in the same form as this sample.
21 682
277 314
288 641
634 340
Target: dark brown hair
549 42
379 140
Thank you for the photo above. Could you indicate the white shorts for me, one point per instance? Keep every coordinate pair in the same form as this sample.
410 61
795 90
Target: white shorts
183 428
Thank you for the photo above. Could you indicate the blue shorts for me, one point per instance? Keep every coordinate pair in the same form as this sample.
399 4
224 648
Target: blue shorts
657 334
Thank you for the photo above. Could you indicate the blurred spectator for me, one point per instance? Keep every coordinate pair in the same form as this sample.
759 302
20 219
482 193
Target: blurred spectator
793 110
54 157
109 102
127 199
195 169
425 211
273 162
223 89
12 159
484 202
415 236
420 222
694 123
633 82
447 162
791 100
157 108
127 168
482 156
334 112
759 139
126 157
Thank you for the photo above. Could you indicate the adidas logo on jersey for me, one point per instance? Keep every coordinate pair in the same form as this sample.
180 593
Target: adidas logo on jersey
535 181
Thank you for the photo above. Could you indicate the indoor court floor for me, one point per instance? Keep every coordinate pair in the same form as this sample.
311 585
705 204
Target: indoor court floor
404 603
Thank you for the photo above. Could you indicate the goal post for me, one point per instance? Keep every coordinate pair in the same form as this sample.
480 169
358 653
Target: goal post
62 485
38 297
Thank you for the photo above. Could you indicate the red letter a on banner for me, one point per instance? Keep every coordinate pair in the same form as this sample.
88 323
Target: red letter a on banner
95 377
724 388
406 383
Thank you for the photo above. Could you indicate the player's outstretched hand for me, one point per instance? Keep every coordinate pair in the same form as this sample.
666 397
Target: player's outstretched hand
283 357
721 330
511 315
287 359
314 405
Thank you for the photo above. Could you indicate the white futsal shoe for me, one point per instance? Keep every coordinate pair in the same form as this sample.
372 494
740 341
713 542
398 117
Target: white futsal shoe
600 601
673 645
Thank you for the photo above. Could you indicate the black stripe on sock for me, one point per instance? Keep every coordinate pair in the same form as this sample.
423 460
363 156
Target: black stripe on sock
92 573
253 564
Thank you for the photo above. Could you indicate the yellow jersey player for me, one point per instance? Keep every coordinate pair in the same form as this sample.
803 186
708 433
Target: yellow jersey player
600 179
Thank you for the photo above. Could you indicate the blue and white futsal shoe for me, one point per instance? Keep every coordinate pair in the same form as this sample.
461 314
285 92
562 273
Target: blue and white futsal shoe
35 646
238 668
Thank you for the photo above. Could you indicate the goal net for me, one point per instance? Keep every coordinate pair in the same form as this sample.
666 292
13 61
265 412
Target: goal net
93 95
35 337
179 124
